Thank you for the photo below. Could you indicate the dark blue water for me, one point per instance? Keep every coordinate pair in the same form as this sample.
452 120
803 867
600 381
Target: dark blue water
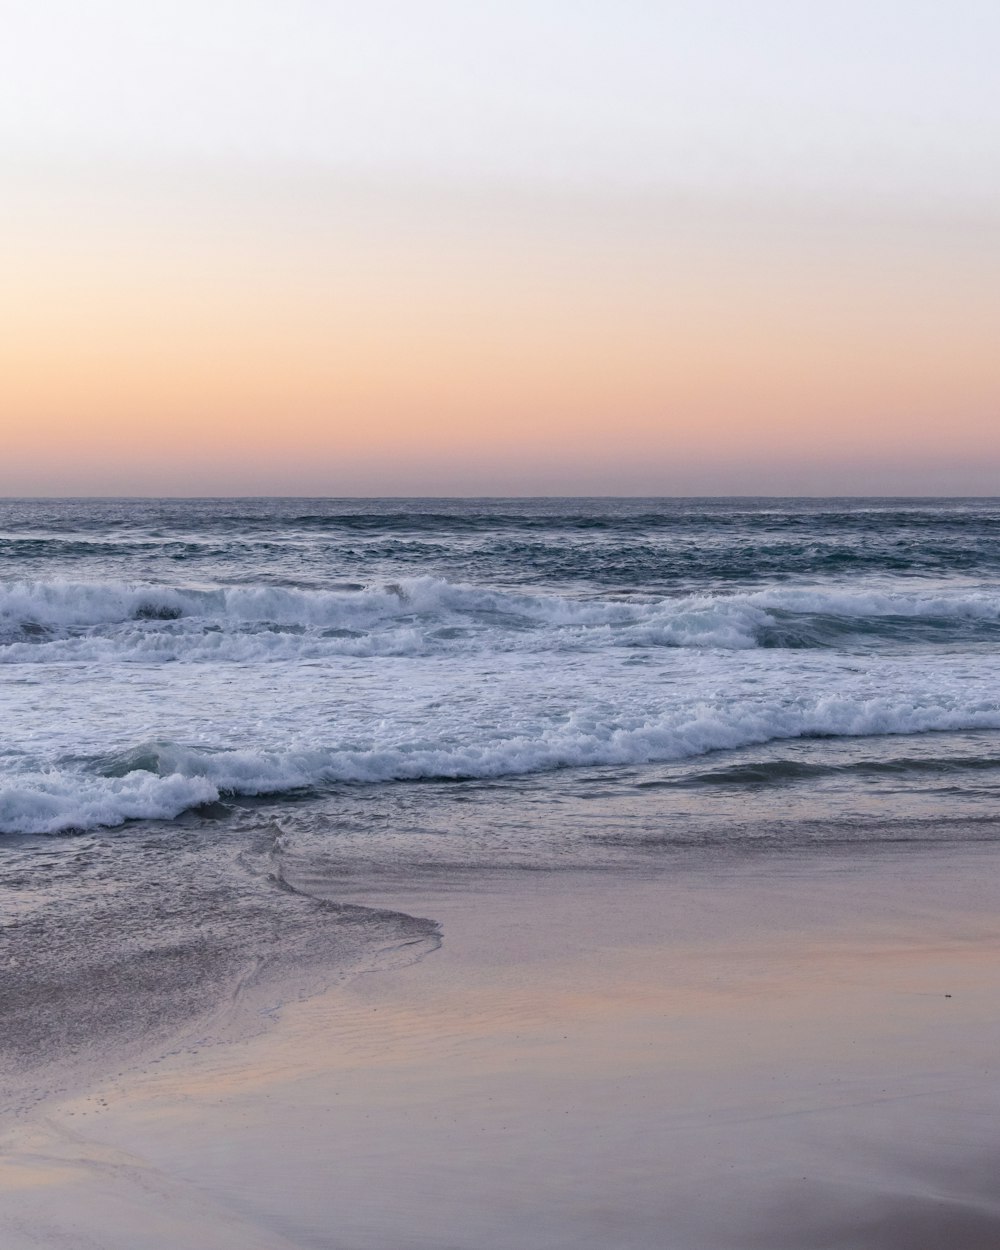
590 544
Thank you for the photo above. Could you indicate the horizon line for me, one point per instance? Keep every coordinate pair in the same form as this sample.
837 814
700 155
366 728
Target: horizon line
473 498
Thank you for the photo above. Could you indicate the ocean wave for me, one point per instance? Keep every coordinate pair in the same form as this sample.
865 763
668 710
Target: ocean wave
57 620
159 780
783 771
55 801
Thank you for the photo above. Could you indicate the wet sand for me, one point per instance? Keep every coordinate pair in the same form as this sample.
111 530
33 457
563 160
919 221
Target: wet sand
742 1054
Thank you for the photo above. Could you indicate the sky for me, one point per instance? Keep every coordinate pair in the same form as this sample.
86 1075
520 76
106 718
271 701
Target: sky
441 248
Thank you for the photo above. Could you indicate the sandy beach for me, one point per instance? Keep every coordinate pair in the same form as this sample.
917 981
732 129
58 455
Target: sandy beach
765 1051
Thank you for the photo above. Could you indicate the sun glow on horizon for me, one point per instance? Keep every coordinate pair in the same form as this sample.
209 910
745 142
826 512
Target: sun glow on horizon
195 325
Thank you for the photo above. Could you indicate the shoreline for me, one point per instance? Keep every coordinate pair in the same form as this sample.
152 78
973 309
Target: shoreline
785 1051
105 1014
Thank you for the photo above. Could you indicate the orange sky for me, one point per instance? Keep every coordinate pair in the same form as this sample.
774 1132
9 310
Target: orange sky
536 247
305 336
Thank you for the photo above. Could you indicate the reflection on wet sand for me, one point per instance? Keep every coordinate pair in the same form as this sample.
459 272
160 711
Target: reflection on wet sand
793 1054
884 1222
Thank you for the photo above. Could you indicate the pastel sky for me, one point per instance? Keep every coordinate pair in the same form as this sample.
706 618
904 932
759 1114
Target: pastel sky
438 247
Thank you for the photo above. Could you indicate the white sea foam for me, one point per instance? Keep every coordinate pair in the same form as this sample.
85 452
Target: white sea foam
58 800
280 689
66 621
162 779
966 604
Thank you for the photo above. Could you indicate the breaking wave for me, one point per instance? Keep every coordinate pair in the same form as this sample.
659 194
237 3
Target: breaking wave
159 780
61 620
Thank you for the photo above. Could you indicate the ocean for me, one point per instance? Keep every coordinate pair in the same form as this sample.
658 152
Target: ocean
214 713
